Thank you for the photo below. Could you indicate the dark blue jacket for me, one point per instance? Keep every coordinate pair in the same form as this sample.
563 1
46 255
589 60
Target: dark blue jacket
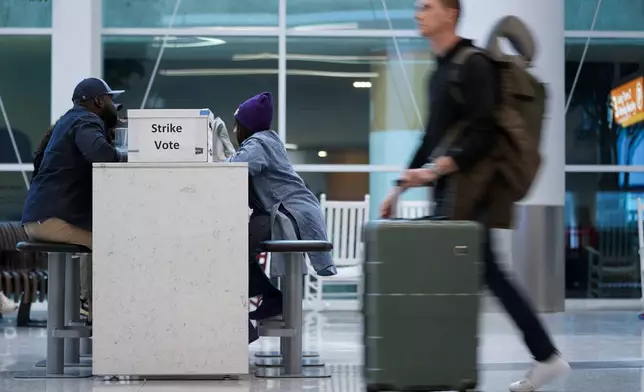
63 186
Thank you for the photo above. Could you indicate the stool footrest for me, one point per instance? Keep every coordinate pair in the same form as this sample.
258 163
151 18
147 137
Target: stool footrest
276 332
304 372
72 332
279 362
277 354
82 363
272 323
78 324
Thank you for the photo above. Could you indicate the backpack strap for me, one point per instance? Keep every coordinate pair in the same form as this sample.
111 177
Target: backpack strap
460 58
458 61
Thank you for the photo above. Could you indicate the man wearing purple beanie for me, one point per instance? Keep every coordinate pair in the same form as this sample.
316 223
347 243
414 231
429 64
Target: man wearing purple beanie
283 207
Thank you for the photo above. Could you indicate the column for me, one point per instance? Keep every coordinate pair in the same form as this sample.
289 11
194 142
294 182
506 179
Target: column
75 49
396 130
538 239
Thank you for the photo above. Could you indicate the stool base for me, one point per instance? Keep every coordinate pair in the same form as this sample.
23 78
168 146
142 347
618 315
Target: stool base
86 347
277 354
42 374
83 363
278 362
32 324
280 372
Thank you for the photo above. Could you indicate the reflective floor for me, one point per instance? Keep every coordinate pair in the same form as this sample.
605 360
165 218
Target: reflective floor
606 348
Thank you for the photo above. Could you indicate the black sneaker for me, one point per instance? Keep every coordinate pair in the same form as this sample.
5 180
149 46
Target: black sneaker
271 306
253 335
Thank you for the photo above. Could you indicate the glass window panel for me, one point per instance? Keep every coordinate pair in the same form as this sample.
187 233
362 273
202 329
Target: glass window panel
602 259
214 76
613 14
336 186
348 101
191 13
349 14
25 88
592 137
12 195
369 14
25 13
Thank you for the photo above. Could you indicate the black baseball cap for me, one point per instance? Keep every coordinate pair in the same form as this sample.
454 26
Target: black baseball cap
91 88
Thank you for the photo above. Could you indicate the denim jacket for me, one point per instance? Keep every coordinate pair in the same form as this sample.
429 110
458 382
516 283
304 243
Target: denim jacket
278 187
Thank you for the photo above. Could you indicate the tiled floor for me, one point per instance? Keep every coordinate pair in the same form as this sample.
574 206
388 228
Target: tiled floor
606 348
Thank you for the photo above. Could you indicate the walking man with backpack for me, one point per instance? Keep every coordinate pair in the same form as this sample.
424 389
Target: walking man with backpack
480 159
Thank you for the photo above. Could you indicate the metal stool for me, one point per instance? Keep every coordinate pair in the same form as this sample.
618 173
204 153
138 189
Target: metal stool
62 303
289 328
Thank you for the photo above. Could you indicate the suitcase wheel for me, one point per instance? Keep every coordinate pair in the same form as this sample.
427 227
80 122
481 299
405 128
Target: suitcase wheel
468 386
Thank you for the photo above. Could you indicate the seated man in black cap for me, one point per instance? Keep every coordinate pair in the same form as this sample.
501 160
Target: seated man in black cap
58 207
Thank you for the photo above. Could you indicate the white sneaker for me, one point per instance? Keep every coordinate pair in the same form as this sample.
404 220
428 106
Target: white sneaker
541 374
7 305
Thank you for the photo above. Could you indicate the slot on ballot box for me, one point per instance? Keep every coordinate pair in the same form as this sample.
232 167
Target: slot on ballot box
170 135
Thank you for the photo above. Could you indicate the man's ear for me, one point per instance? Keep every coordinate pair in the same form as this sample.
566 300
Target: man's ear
99 102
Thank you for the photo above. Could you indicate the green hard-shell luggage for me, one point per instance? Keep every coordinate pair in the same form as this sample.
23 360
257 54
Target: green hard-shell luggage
421 305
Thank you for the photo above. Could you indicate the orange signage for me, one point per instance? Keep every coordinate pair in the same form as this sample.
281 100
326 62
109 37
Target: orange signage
628 102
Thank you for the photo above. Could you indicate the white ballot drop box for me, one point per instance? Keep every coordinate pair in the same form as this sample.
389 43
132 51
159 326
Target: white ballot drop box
170 135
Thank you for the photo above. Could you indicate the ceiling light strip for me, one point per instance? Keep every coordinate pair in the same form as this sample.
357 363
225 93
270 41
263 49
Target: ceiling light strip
258 31
264 71
364 33
327 26
305 57
197 42
193 31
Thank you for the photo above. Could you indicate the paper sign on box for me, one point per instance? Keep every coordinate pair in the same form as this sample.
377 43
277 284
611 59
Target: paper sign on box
170 135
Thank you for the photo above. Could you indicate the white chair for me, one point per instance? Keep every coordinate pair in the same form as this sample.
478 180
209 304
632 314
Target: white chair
613 261
411 209
344 222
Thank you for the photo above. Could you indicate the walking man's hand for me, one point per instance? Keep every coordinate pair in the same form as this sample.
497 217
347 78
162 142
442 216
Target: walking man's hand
386 208
419 177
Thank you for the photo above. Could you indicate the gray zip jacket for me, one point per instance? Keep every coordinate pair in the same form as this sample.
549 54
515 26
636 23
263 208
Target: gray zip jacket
279 187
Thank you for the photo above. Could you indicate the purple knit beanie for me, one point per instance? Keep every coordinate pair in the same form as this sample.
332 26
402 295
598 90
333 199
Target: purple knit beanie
256 114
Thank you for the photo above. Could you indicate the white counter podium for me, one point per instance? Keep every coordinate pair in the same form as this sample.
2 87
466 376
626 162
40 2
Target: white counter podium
170 267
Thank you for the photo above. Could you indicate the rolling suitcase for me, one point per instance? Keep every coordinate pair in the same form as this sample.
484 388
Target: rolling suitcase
421 305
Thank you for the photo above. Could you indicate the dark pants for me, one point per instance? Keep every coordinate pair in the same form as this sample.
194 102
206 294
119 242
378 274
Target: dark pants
259 230
534 334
